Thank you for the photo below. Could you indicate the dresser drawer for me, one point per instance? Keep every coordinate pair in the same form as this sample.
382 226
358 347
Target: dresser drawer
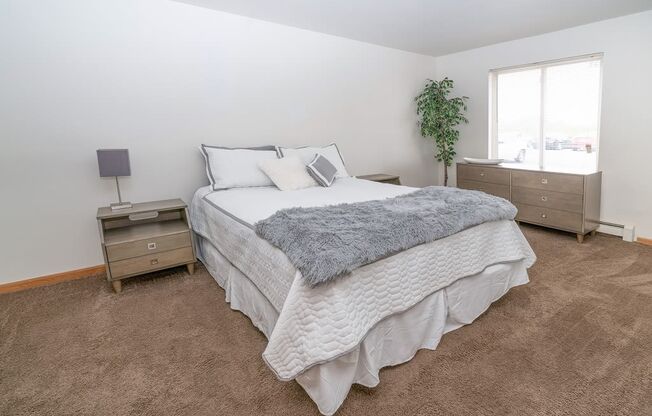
554 218
143 247
151 262
548 199
490 188
483 174
558 182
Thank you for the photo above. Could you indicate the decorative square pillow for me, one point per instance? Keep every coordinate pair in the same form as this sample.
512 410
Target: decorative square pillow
322 170
237 167
307 153
288 173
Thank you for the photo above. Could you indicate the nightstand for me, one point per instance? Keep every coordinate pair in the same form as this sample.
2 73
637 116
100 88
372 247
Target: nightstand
149 236
382 177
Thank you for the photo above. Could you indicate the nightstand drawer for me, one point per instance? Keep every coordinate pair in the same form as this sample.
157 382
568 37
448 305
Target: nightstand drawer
147 246
548 181
151 262
549 199
483 174
554 218
490 188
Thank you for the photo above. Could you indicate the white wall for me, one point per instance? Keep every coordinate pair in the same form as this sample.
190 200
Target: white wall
626 122
161 77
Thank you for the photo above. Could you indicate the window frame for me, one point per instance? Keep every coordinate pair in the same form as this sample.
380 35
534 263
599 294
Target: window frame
493 99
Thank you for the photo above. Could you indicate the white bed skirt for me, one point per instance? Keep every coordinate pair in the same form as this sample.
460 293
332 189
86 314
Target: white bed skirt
394 340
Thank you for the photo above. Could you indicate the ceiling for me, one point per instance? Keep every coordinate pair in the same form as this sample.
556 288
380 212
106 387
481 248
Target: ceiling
430 27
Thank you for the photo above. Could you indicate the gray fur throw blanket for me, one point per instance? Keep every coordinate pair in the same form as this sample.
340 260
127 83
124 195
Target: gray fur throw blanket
327 242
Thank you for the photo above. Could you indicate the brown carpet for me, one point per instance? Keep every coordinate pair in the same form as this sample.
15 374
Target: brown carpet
576 341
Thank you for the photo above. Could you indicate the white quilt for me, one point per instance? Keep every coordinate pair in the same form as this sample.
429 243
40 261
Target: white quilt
318 324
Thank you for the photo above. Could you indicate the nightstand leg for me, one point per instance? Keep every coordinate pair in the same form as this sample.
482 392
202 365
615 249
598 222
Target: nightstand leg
117 286
191 268
580 238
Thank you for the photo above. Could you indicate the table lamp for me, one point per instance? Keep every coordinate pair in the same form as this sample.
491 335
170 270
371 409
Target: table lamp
114 162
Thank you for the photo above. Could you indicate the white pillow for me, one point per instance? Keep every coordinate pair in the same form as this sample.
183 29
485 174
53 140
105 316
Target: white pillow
307 154
288 173
236 168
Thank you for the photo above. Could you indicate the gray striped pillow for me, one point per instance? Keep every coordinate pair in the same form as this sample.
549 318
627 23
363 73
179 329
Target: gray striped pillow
322 170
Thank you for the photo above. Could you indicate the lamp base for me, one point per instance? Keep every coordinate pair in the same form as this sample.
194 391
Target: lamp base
120 205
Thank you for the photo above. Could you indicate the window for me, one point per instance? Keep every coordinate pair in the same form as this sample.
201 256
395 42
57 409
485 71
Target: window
547 114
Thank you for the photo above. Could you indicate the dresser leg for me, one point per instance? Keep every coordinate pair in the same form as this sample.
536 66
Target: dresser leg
580 238
191 268
117 286
593 233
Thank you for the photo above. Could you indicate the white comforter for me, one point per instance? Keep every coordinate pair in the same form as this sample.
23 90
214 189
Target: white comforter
318 324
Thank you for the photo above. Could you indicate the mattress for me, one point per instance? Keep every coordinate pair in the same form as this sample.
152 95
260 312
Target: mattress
250 205
226 219
316 325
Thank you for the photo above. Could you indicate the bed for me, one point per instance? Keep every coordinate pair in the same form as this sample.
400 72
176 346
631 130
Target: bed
329 337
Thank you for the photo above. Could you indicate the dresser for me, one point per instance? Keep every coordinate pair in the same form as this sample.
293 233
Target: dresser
564 201
149 236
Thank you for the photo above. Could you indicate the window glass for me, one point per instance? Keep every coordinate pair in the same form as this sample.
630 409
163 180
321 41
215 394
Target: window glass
519 116
572 96
548 115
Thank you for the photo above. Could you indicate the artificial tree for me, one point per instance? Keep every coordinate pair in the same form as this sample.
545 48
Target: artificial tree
439 115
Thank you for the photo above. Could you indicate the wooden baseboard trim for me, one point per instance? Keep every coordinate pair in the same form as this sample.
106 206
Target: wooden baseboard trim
646 241
51 279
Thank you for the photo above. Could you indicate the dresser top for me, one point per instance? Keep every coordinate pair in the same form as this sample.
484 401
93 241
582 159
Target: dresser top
165 205
534 168
378 177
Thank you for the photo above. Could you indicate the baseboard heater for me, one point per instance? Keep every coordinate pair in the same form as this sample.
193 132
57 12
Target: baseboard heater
621 230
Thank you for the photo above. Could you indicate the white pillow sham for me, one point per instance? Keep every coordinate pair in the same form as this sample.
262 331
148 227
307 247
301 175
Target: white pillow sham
236 167
307 154
288 173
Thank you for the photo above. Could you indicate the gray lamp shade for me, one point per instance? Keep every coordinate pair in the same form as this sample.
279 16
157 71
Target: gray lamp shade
113 162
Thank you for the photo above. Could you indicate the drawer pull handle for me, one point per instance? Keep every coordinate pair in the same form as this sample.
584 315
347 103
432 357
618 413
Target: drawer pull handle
544 181
481 173
153 262
544 216
544 198
151 246
143 216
